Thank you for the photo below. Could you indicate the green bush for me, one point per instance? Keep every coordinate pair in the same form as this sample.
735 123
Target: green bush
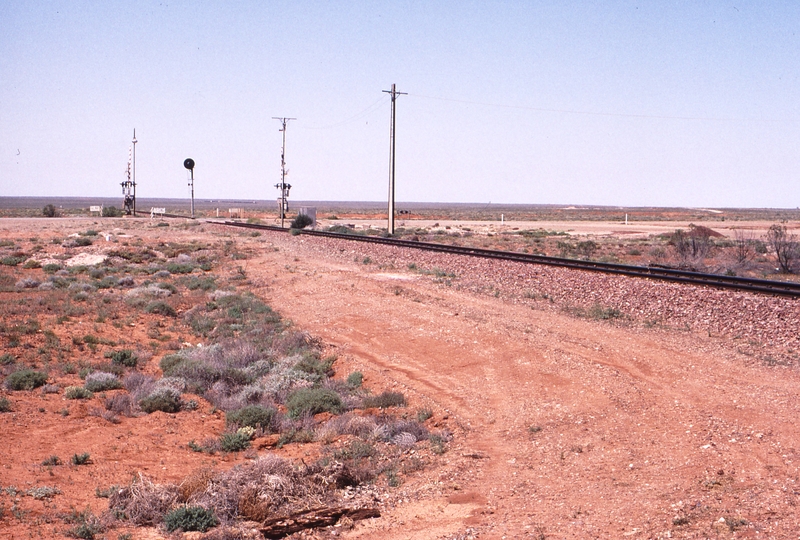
313 401
83 241
384 400
26 379
77 392
5 405
51 268
234 442
11 260
355 379
160 308
7 359
169 361
190 518
314 366
205 283
165 399
100 381
180 268
301 221
111 211
49 210
125 357
254 416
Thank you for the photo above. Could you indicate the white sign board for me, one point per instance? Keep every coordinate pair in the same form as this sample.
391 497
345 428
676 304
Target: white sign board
157 210
95 209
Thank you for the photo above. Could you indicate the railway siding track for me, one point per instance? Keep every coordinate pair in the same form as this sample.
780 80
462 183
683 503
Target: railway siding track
761 286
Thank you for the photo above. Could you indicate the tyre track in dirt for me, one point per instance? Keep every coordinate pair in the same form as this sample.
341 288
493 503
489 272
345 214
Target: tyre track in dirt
634 423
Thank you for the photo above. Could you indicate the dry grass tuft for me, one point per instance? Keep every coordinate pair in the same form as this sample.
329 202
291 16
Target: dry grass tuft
143 502
195 483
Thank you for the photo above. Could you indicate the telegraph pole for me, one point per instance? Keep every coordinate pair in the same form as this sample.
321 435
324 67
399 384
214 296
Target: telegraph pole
134 172
394 94
283 186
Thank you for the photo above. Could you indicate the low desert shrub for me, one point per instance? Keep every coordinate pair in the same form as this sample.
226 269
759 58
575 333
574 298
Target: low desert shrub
7 359
164 399
190 518
180 268
51 268
77 392
301 221
11 260
26 379
313 401
160 308
254 416
384 400
235 442
81 459
319 369
49 210
52 461
100 381
27 283
120 404
204 283
355 379
5 405
124 357
169 361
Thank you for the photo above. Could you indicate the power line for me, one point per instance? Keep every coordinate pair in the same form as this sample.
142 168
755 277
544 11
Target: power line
374 106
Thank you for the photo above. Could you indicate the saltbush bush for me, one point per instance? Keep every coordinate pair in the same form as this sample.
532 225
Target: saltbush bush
355 379
190 518
100 381
124 357
77 392
26 379
313 401
254 416
160 308
164 399
384 400
234 442
169 361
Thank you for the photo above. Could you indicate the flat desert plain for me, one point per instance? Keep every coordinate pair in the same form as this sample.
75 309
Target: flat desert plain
538 402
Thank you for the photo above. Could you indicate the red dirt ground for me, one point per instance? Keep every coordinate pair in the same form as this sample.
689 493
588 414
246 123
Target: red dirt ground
563 427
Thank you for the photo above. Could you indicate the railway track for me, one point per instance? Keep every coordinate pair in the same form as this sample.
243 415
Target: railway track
763 286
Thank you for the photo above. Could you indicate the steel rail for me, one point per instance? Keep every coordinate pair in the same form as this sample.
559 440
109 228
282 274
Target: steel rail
764 286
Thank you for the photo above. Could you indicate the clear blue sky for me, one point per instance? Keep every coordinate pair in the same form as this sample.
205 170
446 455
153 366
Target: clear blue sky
654 103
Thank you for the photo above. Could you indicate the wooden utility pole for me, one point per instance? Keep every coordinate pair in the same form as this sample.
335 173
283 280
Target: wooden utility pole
394 94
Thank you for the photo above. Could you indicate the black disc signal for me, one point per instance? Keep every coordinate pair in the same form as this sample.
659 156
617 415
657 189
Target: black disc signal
188 163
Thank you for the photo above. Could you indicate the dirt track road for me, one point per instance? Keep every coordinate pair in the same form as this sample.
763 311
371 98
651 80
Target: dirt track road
565 427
